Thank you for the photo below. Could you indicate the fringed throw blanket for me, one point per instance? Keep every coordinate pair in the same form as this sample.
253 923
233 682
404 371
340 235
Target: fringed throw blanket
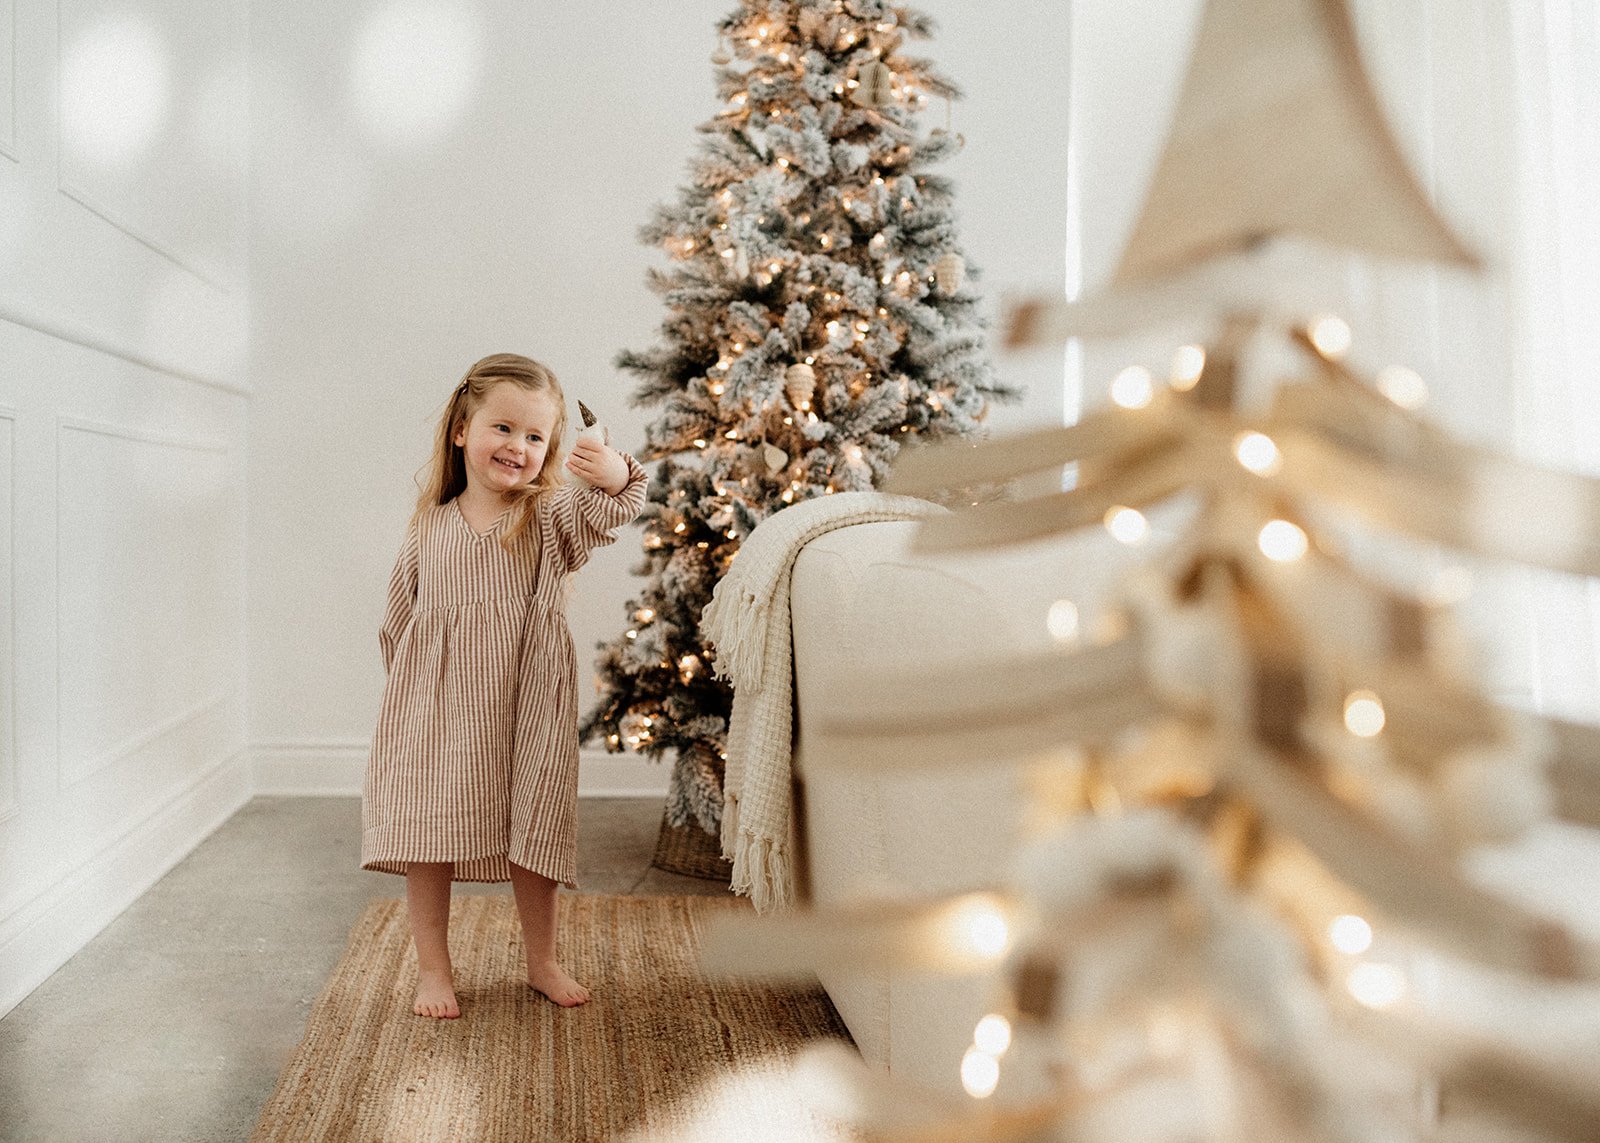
747 621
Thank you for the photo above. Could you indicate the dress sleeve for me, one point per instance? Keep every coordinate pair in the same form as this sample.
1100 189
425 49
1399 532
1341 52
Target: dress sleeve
402 596
584 518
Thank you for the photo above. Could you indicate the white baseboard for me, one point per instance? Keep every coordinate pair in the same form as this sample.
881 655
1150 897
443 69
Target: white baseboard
52 927
334 768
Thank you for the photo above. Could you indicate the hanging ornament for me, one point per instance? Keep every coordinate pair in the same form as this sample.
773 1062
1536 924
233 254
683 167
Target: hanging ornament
873 86
741 262
592 431
721 56
775 457
939 133
949 272
800 384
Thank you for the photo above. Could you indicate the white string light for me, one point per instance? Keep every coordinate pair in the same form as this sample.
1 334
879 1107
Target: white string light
980 1073
976 927
1331 336
1258 453
1376 985
1062 620
1188 362
1126 524
1363 714
1133 388
992 1035
1405 387
1282 541
1350 934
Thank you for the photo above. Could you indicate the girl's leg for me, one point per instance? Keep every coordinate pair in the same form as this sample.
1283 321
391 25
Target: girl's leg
428 899
536 904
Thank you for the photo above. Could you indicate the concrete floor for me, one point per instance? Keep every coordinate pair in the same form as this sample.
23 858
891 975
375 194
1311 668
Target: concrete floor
174 1022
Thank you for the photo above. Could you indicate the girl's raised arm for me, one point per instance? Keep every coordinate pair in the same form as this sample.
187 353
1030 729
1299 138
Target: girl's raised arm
585 518
402 596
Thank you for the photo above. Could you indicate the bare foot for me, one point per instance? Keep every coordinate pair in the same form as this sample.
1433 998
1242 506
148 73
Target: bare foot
552 980
436 996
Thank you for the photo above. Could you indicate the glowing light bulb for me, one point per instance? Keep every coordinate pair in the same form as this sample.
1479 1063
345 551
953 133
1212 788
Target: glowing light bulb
698 443
1188 362
633 634
1062 620
1133 388
1405 387
1127 524
1330 335
1363 714
976 926
980 1073
644 614
1350 934
1258 453
992 1035
1376 985
1282 541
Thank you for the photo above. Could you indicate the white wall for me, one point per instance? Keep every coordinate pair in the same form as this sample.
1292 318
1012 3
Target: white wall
384 262
123 410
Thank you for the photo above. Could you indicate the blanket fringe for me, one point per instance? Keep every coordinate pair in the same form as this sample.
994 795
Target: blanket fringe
738 630
761 872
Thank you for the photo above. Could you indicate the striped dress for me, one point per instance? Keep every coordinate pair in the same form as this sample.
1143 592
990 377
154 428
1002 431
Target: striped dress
475 758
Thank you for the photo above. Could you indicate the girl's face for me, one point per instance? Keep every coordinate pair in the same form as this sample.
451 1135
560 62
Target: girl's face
505 441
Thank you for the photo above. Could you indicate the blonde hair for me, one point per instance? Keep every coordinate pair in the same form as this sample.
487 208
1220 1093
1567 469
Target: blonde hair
446 472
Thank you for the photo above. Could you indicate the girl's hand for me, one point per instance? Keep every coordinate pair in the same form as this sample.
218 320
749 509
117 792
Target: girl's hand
600 465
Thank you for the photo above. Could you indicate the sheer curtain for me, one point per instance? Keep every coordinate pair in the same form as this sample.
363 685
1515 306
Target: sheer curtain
1496 100
1555 47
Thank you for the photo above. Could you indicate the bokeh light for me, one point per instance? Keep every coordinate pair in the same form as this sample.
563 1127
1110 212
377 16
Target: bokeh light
115 91
415 67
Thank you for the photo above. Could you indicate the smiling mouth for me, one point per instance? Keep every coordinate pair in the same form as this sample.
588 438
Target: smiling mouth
512 465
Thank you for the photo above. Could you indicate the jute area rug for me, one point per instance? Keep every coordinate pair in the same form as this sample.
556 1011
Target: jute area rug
659 1053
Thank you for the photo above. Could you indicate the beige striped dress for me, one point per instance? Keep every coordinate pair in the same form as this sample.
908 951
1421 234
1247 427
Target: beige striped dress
475 758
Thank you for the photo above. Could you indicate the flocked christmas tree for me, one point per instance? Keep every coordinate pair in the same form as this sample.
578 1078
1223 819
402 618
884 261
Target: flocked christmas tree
818 316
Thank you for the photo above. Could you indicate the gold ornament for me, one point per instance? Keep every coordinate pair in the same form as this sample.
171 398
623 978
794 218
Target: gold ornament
873 83
949 272
775 457
799 384
721 56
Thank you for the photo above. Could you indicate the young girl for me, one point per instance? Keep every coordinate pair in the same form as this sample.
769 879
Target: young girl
474 767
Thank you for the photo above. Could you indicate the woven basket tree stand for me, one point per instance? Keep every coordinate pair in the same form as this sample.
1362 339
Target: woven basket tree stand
691 851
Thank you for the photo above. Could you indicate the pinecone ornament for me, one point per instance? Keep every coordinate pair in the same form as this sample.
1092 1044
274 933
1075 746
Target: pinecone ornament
800 384
949 272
